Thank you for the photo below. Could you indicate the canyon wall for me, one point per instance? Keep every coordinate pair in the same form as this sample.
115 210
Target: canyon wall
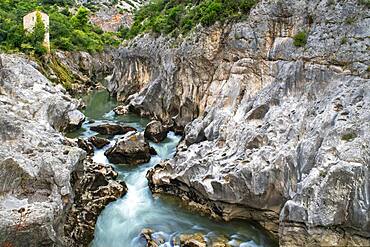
78 72
274 133
43 175
35 165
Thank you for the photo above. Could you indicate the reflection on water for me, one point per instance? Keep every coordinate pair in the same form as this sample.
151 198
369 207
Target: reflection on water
121 222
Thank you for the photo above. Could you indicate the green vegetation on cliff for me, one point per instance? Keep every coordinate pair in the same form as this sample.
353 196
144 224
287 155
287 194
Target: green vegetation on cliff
300 39
71 30
181 16
68 31
34 41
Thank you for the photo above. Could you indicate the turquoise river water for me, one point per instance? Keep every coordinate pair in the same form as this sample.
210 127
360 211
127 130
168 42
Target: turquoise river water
122 221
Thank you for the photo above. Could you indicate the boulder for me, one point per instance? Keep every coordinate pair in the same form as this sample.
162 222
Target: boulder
99 142
62 114
147 235
111 129
155 131
85 145
121 110
132 150
192 240
75 119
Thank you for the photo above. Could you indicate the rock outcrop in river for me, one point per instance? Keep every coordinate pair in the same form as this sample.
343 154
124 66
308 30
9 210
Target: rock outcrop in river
132 149
95 187
274 133
155 131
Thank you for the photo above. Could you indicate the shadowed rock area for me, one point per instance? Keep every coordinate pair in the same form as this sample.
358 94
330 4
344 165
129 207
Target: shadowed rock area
112 129
274 133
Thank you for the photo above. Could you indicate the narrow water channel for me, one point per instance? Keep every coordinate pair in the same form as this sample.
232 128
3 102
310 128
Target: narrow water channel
122 221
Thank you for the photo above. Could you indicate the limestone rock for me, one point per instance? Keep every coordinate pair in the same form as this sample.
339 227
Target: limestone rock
121 110
35 163
147 235
111 15
95 187
99 142
155 131
74 120
112 129
273 133
86 146
192 240
84 70
132 149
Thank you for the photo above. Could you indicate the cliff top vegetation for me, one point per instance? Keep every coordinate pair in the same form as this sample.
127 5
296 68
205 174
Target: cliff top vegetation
71 32
176 17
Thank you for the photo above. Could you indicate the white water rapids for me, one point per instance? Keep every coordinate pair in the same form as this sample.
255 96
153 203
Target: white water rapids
122 221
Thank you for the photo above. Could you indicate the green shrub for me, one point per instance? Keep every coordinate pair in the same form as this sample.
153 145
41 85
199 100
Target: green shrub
350 20
349 136
80 19
365 2
300 39
67 32
181 16
38 35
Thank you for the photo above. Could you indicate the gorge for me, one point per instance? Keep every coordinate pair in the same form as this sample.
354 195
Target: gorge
263 136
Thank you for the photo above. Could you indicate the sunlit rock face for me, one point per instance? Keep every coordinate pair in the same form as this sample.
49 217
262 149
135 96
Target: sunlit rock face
111 15
35 165
274 133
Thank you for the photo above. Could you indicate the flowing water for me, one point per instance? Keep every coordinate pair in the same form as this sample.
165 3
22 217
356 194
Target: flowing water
122 221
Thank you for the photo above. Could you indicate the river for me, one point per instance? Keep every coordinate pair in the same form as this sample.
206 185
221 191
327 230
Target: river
122 221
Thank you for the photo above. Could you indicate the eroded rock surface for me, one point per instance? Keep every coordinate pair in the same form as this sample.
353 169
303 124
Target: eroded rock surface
95 187
111 15
86 145
112 129
155 131
78 71
132 149
99 142
274 133
188 240
35 165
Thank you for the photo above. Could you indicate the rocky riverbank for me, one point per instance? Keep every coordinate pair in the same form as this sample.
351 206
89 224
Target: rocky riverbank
78 72
37 188
275 133
95 187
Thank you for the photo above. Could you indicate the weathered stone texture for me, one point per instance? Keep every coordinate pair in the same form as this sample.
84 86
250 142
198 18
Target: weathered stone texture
35 165
274 133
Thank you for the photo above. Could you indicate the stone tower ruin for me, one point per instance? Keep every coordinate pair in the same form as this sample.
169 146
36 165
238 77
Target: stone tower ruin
29 23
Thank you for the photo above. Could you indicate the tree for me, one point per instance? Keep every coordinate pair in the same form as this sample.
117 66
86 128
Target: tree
38 35
80 19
